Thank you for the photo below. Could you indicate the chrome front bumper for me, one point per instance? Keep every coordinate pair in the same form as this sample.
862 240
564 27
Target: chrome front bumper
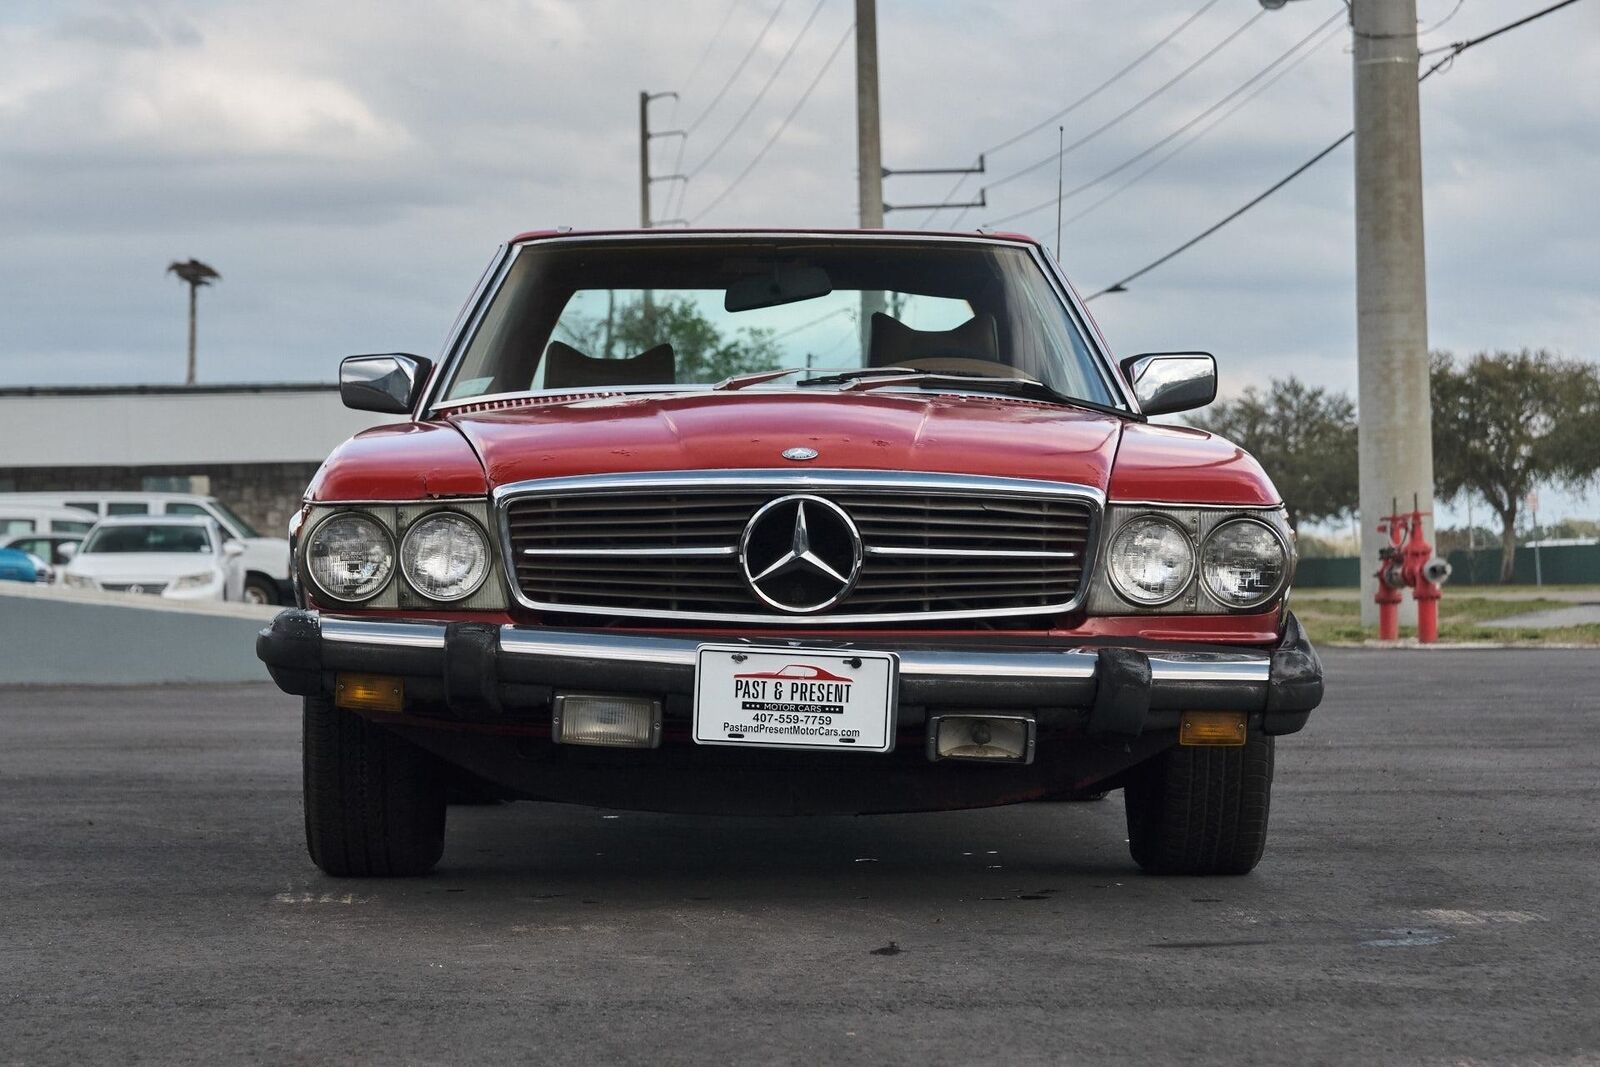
486 671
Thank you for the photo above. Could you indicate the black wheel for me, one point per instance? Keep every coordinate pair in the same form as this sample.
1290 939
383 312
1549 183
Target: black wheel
260 590
1198 810
375 803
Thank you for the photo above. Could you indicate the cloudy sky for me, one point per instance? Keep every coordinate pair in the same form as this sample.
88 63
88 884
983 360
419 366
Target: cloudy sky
350 167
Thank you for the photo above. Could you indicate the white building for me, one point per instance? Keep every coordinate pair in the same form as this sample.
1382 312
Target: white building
254 446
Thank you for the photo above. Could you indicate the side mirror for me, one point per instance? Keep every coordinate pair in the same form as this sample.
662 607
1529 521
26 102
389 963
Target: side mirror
389 384
67 550
232 549
1167 382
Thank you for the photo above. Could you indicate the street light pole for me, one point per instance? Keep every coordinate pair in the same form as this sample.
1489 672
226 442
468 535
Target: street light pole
1396 436
194 274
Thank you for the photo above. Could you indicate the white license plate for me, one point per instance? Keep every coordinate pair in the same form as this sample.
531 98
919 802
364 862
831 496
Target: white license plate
795 698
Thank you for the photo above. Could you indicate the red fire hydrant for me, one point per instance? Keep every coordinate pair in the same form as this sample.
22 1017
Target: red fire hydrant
1408 560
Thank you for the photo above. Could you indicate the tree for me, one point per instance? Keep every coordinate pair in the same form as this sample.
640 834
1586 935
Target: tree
195 274
1304 437
702 352
1507 422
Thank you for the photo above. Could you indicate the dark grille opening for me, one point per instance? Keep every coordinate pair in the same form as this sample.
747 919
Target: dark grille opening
613 552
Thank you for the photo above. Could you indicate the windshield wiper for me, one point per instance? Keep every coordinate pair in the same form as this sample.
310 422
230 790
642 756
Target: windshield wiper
858 373
1027 388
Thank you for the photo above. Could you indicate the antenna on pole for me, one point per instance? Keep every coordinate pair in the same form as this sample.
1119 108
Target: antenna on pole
1061 141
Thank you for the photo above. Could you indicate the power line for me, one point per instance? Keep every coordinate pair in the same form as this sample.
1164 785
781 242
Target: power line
1130 111
1079 102
705 53
1235 109
738 70
675 191
1181 130
1454 50
782 126
756 101
1092 93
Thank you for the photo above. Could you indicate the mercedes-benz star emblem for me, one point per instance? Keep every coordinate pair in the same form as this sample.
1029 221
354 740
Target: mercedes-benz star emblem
800 453
800 553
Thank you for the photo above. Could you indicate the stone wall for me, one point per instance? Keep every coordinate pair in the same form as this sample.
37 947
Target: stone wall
264 494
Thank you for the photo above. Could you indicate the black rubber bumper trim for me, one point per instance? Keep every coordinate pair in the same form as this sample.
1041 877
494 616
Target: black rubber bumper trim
1294 686
479 681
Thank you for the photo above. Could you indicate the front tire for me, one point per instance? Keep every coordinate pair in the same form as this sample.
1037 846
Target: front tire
260 590
1199 810
375 803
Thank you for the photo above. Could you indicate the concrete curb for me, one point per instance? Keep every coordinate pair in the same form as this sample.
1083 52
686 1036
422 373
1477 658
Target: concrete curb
53 636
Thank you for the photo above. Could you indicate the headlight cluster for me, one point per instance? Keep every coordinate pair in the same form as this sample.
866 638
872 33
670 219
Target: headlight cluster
351 556
1242 563
445 557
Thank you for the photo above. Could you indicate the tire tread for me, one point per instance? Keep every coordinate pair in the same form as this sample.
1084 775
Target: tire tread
374 802
1194 810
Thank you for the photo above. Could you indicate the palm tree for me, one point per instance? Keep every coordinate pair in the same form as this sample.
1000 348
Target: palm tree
196 274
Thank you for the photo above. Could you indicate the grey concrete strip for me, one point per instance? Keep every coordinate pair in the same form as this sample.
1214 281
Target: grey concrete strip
119 639
1426 897
1577 615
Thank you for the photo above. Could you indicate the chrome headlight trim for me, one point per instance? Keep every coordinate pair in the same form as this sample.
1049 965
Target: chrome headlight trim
1284 551
1110 555
484 546
388 541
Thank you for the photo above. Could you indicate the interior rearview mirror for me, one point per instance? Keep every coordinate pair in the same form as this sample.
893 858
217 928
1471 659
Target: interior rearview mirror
1168 382
784 285
390 384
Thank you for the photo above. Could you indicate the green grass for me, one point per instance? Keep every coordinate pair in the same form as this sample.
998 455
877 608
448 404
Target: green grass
1332 620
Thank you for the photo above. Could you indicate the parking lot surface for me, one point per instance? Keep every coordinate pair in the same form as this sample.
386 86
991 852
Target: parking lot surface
1428 895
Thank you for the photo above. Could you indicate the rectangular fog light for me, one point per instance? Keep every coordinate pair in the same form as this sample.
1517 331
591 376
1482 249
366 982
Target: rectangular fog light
988 738
369 692
606 719
1212 728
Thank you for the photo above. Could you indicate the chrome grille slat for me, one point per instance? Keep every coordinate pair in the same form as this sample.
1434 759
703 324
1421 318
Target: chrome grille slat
659 546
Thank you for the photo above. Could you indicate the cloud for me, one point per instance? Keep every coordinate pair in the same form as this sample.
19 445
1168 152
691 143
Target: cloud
349 167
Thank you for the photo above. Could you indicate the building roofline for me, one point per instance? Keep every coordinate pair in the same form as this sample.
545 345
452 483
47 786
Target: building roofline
241 388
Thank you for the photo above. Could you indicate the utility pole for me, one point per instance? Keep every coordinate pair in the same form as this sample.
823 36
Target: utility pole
869 147
644 161
645 137
1396 436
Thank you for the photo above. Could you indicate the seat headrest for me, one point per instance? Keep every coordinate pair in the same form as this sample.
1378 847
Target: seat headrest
893 342
567 368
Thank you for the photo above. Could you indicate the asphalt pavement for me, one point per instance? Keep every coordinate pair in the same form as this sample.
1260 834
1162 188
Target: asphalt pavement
1429 895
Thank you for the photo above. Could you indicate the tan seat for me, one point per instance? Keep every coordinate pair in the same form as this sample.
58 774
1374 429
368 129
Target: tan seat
567 368
894 344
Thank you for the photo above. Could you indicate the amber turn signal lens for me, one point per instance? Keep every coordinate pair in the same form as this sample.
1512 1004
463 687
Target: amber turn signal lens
369 692
1212 728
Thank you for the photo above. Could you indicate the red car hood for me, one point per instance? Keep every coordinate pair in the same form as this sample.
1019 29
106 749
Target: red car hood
939 433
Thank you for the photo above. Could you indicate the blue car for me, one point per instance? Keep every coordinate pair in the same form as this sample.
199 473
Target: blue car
20 567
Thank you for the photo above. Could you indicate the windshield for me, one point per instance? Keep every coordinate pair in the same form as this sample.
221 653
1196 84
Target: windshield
693 312
148 538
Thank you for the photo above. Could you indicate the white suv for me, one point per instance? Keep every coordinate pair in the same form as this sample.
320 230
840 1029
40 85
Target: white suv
265 559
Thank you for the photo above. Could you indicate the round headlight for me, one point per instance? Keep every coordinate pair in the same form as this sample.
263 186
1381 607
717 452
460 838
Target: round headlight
445 557
350 557
1151 560
1243 563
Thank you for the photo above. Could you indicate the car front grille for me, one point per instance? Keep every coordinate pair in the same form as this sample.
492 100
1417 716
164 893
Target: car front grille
153 588
972 548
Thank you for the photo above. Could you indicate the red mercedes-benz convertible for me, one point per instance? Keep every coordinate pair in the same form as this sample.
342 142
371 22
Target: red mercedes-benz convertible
787 522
